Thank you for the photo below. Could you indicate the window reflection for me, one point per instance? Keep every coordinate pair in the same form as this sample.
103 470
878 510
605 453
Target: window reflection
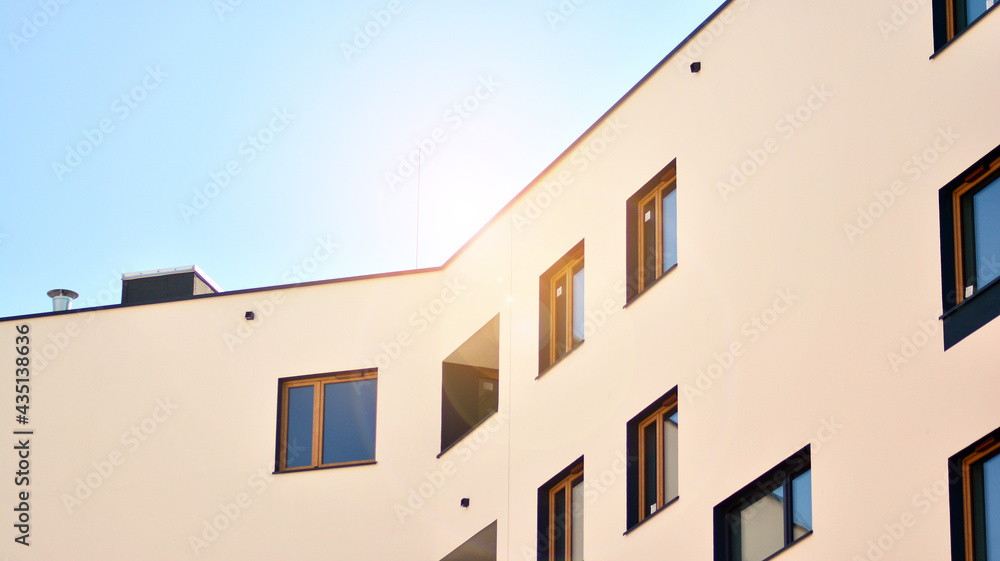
298 448
762 527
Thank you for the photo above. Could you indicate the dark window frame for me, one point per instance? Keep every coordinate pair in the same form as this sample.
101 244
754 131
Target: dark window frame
950 21
548 321
317 381
636 514
660 185
548 527
962 502
725 512
963 315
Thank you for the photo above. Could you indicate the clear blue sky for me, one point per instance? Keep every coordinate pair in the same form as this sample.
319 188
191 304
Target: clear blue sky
120 120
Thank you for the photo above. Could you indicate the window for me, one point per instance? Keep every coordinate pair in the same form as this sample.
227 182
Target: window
480 547
977 232
952 17
975 501
651 223
326 420
651 473
560 516
469 394
561 308
768 515
470 384
970 248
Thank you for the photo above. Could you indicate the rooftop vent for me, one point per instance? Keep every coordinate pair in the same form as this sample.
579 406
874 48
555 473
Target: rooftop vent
166 285
62 299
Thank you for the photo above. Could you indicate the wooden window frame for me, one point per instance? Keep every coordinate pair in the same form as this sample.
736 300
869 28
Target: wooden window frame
319 397
982 451
566 483
667 409
661 184
664 188
964 315
565 269
952 15
978 178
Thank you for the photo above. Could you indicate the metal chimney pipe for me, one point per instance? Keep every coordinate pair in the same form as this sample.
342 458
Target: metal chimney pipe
62 299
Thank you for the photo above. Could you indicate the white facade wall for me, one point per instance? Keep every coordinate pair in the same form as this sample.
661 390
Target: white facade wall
820 373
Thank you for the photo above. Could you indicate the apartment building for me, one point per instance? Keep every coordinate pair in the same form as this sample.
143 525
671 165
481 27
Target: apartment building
747 315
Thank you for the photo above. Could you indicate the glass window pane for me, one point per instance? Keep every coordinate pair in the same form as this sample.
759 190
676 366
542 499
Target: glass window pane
349 421
558 522
976 8
577 509
986 205
299 428
991 500
670 490
801 505
762 527
649 441
669 230
648 242
578 314
559 306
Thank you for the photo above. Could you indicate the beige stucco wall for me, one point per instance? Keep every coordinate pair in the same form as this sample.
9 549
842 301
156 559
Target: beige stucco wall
776 248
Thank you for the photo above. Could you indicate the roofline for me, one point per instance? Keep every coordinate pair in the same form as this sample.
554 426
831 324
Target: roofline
229 293
562 155
600 120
